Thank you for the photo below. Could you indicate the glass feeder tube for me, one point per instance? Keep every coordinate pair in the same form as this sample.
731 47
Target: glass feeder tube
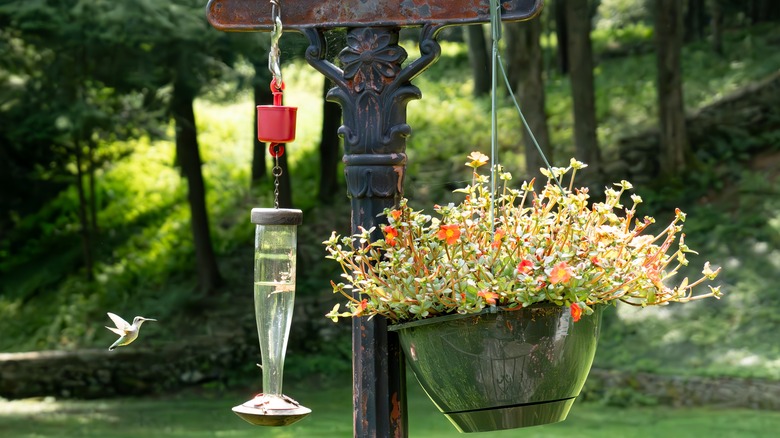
274 290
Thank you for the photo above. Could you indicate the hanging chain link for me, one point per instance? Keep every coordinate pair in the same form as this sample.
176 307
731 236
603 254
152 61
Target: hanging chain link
276 34
276 172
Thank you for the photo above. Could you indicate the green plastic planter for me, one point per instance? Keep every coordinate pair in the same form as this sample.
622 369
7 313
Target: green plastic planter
502 369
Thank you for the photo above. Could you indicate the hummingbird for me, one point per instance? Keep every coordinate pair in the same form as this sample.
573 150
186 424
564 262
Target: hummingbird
127 332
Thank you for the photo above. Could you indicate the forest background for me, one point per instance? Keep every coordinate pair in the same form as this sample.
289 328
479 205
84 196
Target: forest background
128 167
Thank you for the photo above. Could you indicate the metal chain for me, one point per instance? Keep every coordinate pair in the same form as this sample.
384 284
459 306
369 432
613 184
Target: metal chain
276 34
276 172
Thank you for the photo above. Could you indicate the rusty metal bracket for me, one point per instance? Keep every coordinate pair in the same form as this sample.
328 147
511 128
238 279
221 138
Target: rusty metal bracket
252 15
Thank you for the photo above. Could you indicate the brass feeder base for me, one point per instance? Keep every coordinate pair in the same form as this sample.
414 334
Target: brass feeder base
271 410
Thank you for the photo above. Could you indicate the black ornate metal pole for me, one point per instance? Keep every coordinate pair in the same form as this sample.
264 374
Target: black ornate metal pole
373 90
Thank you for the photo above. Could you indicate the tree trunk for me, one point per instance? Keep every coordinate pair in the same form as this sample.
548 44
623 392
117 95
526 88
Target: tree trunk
93 204
582 86
526 67
329 146
671 107
263 96
562 35
479 59
86 241
716 24
765 10
695 19
209 278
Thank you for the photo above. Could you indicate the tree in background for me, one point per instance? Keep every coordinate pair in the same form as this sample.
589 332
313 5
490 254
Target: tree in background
695 19
562 36
329 146
98 68
764 10
330 142
526 69
671 107
478 59
716 24
71 98
189 55
261 91
578 20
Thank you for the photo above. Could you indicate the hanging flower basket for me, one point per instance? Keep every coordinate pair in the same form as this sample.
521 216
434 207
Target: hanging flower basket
513 368
550 259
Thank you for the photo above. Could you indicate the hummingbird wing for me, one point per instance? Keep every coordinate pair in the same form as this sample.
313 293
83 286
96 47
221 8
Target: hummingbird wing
117 331
120 323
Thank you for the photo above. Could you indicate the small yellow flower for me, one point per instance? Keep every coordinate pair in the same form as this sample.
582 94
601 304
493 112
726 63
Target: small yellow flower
477 159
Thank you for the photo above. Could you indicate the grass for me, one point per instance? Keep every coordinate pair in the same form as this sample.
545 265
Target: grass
195 415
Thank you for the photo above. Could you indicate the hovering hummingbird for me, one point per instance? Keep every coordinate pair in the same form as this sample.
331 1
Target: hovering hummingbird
127 332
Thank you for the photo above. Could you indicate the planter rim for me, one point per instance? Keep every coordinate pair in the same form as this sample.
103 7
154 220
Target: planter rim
456 316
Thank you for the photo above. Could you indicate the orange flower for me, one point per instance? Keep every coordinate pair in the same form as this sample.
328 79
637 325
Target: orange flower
490 297
449 233
390 235
576 312
498 236
396 214
561 273
361 307
524 267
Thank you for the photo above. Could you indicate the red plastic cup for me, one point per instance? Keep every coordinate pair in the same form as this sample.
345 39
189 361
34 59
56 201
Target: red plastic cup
276 124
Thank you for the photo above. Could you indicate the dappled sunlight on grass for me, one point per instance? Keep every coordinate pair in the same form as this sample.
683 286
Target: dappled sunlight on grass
208 415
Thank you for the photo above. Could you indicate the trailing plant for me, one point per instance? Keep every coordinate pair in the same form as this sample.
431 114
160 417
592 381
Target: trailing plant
513 248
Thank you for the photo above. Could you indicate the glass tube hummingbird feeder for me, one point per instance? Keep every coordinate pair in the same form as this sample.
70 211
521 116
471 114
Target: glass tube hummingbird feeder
276 236
274 290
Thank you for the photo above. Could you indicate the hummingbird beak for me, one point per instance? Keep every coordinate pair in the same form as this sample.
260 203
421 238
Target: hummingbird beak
149 319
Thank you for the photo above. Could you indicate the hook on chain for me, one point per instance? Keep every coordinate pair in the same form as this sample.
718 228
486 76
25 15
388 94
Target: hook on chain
276 34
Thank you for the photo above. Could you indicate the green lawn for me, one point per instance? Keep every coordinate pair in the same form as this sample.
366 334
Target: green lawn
203 415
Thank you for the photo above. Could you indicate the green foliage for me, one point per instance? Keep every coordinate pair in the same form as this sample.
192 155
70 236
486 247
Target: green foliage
736 335
144 248
624 397
619 14
628 39
625 88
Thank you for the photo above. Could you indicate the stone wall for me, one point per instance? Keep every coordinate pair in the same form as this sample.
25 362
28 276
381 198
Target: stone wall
690 391
714 131
124 371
